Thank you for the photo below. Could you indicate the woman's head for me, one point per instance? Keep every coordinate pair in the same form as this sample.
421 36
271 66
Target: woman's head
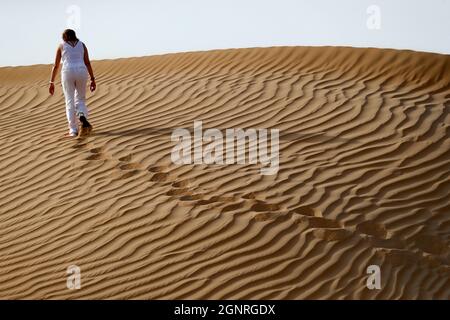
69 35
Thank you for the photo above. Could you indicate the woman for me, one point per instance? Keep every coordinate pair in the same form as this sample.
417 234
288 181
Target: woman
75 67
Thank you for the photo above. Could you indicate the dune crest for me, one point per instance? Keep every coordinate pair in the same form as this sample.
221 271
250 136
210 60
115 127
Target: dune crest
363 179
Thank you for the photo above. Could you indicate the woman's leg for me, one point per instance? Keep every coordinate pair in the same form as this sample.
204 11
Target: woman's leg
68 85
80 93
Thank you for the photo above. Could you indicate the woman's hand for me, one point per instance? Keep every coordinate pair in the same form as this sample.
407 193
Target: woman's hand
51 89
93 86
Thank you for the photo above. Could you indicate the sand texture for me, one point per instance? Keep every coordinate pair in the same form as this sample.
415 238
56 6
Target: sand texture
364 179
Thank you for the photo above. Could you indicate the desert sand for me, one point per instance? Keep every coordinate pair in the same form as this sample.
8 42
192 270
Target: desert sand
364 179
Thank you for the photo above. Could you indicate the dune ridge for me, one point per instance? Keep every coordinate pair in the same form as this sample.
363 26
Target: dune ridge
363 179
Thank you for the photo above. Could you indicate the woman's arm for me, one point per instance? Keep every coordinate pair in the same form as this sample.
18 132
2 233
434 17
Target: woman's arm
55 68
87 62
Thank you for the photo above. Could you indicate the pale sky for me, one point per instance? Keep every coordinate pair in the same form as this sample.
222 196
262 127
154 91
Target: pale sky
30 30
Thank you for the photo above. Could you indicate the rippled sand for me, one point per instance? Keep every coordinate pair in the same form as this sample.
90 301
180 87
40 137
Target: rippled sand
363 179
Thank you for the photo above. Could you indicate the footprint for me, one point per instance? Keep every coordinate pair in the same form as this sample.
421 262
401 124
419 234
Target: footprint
216 199
177 192
401 258
83 137
249 196
129 174
79 146
97 150
159 177
317 222
95 156
126 158
307 211
191 197
157 169
397 257
387 243
232 207
204 202
189 200
224 198
373 229
332 234
262 206
431 244
435 262
180 184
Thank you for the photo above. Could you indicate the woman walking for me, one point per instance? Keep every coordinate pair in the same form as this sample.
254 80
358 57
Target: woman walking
75 68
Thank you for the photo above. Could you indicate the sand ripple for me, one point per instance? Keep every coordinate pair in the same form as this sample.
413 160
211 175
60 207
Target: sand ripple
364 179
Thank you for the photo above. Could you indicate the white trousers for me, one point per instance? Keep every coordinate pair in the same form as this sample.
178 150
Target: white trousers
74 81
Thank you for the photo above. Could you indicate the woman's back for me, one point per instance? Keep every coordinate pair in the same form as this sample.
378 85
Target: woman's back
72 57
76 66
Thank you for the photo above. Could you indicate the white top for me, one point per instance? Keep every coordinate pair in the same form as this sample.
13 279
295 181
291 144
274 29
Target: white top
72 57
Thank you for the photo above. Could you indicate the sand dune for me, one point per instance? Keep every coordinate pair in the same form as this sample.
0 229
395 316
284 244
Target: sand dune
363 179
